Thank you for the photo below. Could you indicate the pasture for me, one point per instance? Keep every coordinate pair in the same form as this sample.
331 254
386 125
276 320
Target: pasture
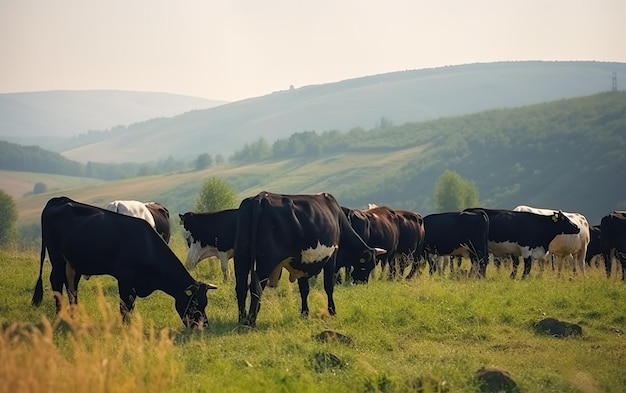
430 334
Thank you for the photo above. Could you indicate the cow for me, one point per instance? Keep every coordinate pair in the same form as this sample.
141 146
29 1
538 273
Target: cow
300 233
152 212
378 227
410 241
613 228
456 234
81 239
161 219
564 245
594 249
525 234
208 235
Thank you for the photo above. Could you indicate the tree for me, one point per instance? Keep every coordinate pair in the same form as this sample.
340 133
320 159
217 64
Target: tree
453 193
203 161
40 188
215 195
8 218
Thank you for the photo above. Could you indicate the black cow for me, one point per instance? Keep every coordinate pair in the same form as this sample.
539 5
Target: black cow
613 227
210 235
161 219
300 233
86 240
410 240
456 234
594 249
525 234
379 228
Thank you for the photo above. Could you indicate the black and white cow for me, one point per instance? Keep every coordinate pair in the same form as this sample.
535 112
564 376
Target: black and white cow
462 234
613 227
154 213
565 245
300 233
86 240
525 234
210 235
379 228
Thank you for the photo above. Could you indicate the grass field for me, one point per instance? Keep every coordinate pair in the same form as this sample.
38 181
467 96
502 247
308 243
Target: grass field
432 333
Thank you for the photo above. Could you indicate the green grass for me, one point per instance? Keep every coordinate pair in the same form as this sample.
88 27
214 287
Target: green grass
439 329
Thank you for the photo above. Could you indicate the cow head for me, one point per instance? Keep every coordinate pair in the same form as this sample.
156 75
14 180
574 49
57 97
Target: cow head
364 266
565 225
191 304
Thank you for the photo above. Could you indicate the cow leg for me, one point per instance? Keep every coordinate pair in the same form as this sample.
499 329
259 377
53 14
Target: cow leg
57 281
527 265
303 285
256 290
622 259
608 262
71 283
415 261
329 286
241 289
515 264
127 298
224 265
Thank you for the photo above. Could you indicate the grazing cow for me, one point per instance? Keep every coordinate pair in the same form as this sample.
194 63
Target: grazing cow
378 227
152 212
86 240
613 228
565 245
210 235
456 234
161 219
594 249
525 234
300 233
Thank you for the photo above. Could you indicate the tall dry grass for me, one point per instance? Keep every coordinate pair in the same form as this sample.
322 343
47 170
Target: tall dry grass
78 353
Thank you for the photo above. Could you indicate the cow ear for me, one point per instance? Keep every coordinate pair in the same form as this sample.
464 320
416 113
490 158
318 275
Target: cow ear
210 286
182 219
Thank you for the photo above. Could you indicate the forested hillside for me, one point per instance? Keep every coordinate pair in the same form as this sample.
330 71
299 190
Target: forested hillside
568 154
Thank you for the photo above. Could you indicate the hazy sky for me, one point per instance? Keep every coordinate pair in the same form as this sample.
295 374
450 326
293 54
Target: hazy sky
236 49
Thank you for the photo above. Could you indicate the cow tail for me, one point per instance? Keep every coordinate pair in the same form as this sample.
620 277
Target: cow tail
38 293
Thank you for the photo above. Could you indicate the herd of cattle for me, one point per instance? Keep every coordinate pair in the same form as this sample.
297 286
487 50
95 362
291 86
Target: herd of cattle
305 235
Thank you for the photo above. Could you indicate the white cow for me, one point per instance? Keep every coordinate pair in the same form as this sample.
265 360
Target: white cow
132 208
562 246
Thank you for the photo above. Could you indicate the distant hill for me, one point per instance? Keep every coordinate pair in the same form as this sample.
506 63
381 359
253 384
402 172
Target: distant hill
43 117
399 97
568 154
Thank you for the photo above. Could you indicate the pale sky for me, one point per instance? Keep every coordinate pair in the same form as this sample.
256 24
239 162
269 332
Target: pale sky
237 49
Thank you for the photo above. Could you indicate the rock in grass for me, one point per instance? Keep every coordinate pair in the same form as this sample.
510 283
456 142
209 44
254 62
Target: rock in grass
557 328
325 361
492 379
331 335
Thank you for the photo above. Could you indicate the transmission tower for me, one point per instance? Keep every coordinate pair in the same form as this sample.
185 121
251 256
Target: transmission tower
614 86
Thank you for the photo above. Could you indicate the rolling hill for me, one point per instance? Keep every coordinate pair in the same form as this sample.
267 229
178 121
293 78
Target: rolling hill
47 118
400 97
568 154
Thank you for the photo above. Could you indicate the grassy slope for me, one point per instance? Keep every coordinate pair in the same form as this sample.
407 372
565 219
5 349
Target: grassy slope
437 328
